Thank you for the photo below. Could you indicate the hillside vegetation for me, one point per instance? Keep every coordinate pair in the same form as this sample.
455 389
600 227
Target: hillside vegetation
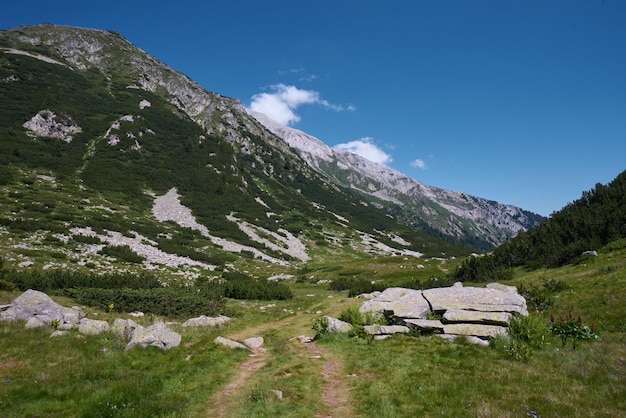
587 224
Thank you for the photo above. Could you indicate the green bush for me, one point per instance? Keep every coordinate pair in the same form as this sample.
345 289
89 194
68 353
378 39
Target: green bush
529 329
123 252
169 302
353 316
355 286
570 328
50 280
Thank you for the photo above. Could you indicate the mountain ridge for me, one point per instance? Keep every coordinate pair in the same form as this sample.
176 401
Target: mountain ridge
498 222
141 130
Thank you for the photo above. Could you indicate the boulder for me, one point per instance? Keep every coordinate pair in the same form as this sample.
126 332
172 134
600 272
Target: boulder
157 335
124 328
36 304
59 333
475 299
206 321
337 326
477 317
92 326
229 343
399 302
34 323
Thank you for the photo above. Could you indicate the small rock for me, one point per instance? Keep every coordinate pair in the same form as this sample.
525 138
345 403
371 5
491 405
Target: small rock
229 343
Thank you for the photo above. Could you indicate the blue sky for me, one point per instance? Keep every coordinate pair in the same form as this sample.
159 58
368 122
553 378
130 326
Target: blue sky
522 102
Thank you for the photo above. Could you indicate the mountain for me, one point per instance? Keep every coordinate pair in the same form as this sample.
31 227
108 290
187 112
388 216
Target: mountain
457 217
111 159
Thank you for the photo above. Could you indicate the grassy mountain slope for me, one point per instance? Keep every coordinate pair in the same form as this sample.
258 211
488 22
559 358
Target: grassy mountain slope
139 130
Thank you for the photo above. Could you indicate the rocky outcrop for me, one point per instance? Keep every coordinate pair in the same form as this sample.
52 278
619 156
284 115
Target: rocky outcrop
47 124
39 310
463 311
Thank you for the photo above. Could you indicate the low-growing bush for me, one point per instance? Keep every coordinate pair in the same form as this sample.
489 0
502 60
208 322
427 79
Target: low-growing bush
355 286
529 329
122 252
166 301
255 289
50 280
572 329
354 316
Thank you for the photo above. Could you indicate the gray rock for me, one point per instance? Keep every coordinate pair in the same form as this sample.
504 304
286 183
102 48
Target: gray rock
229 343
33 303
206 321
124 328
593 252
477 330
157 335
34 323
475 299
399 302
337 326
254 342
477 317
93 326
424 324
59 333
386 329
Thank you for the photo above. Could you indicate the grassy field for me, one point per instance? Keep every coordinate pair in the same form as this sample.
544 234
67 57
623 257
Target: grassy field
77 376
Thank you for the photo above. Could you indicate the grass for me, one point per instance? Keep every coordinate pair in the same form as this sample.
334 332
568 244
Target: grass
401 376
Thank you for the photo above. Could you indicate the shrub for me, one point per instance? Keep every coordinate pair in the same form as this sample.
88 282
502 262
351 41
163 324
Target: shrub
353 316
169 302
354 286
320 326
123 252
570 328
528 329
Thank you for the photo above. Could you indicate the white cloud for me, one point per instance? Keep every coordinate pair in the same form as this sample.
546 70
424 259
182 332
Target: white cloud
419 164
283 101
366 148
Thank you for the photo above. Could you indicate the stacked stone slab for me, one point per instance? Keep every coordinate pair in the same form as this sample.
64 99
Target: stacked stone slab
470 311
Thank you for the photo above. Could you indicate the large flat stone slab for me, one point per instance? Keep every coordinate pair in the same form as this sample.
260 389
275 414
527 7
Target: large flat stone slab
477 317
477 330
475 299
424 324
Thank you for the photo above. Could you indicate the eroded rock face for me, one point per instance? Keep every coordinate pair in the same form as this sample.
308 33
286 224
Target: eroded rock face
47 124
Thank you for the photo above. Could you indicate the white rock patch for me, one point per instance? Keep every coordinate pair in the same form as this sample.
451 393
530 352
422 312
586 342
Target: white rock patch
47 124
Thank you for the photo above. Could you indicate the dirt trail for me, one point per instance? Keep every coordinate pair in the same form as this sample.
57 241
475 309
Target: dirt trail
225 398
335 390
